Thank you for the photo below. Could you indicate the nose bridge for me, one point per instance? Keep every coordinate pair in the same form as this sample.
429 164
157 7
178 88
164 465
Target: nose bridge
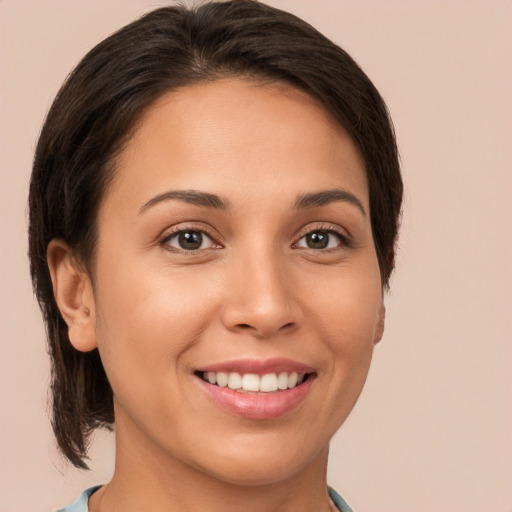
260 296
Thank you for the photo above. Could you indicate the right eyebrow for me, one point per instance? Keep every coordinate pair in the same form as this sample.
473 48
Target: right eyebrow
188 196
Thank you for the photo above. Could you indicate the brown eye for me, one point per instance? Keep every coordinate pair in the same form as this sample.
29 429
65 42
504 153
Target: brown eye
321 239
189 240
317 240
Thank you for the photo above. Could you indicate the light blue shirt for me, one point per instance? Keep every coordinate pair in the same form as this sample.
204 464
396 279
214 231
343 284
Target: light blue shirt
81 504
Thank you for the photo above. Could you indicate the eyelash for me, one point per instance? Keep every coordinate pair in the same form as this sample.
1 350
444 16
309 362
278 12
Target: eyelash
165 239
344 238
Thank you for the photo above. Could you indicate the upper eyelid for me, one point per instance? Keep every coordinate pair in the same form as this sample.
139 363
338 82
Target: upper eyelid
172 234
167 234
323 226
217 238
344 237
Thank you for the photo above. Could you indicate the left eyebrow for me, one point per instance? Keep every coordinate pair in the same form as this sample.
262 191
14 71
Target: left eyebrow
324 197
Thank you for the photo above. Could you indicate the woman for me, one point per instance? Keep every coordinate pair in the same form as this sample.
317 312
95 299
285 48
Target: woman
213 211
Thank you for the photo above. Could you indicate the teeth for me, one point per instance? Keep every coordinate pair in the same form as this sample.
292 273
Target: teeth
268 383
222 379
282 380
234 381
250 382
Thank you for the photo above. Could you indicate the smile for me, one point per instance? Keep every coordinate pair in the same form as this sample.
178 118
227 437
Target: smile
257 390
251 382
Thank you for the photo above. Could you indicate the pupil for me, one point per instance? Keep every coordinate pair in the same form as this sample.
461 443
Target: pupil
318 240
190 240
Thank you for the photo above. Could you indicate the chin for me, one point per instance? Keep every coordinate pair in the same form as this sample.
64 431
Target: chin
264 462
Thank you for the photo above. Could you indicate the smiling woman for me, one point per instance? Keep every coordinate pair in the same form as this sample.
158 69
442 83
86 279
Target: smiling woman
213 214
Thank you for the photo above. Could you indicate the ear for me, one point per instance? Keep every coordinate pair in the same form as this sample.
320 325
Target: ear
381 320
72 290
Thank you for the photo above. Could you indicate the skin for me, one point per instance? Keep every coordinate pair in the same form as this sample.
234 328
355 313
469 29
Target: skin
256 290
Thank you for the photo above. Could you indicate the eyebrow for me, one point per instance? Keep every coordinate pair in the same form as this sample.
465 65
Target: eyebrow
324 197
195 197
207 200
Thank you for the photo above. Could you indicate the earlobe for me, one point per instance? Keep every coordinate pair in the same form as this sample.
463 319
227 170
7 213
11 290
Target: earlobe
381 320
72 290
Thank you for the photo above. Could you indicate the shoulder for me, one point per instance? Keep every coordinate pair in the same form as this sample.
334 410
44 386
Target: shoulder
338 501
81 504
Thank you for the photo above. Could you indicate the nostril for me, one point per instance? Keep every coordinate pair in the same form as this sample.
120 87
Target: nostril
286 326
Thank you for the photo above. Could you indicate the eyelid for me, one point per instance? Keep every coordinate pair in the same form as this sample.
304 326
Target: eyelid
343 234
188 226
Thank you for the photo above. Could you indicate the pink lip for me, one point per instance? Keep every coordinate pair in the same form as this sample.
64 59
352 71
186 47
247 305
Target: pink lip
258 406
258 366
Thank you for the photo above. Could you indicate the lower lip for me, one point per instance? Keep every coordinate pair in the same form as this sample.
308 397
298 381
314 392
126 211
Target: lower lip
258 406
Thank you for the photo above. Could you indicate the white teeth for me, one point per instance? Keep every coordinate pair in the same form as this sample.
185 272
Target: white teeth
268 383
222 379
251 382
292 379
282 380
234 381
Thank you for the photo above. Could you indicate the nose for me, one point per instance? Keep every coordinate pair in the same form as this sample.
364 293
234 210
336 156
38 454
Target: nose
260 298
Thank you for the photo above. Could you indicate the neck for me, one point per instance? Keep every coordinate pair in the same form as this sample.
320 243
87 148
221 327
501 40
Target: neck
146 479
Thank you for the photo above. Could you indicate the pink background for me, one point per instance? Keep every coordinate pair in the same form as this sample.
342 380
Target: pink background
433 428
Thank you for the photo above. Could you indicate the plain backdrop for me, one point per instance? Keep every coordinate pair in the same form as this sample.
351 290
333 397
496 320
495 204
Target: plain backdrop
432 430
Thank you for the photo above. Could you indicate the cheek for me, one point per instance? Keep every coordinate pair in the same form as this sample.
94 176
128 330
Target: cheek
348 308
145 326
347 315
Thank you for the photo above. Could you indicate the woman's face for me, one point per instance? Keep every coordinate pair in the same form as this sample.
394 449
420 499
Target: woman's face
236 239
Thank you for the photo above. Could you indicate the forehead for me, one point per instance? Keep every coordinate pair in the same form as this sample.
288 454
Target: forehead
237 137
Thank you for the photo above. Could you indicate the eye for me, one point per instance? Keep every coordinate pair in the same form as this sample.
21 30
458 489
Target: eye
321 239
189 240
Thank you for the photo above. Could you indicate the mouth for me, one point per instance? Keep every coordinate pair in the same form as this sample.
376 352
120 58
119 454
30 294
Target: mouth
272 382
257 390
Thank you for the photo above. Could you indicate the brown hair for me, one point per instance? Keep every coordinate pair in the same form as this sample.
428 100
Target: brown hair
98 106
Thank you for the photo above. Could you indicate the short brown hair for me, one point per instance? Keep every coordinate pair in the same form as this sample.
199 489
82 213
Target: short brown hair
97 108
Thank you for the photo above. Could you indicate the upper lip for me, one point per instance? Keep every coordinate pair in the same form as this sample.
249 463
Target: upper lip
258 366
